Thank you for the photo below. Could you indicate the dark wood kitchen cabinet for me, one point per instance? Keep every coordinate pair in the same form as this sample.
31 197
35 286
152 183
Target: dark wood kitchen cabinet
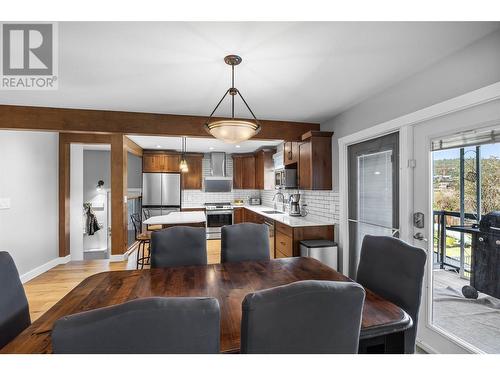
315 161
161 162
264 170
238 215
243 171
291 153
193 178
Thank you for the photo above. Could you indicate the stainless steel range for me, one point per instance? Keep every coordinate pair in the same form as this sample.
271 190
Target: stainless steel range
218 215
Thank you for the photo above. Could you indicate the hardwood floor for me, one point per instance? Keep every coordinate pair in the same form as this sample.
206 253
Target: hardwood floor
45 290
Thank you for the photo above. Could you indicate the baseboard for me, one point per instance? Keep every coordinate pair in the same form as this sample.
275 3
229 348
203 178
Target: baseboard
44 268
118 257
429 349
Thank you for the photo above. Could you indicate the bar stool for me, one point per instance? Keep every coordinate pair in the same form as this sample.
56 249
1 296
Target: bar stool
143 238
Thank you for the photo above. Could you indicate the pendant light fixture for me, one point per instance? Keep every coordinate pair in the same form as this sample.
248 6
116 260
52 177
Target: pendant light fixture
183 166
233 130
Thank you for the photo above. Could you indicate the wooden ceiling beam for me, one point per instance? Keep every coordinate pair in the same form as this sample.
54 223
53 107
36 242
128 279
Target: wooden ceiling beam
134 123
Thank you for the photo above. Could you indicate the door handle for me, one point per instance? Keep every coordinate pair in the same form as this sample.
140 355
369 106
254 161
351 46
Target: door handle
419 236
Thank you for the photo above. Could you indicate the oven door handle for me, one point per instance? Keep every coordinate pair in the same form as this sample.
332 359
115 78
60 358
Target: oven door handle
220 212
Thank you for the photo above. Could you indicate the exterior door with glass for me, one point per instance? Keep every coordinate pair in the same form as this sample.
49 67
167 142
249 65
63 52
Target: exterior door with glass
444 171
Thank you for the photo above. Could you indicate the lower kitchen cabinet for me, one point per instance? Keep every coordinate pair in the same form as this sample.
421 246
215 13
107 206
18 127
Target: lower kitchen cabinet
238 215
286 238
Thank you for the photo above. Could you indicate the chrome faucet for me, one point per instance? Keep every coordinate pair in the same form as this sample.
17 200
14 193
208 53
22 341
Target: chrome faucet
275 200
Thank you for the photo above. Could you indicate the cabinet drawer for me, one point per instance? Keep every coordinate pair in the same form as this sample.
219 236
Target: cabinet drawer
284 244
280 255
285 229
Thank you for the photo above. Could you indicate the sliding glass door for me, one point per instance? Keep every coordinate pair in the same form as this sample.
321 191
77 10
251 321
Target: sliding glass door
373 192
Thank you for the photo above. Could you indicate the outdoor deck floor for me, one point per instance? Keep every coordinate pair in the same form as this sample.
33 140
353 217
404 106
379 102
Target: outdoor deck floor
475 321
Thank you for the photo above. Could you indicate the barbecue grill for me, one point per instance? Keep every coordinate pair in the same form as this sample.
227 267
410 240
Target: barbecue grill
485 275
485 267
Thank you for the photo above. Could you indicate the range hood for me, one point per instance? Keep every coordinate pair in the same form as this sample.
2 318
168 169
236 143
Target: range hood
218 181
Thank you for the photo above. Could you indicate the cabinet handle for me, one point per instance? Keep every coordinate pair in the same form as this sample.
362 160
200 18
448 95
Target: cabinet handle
281 242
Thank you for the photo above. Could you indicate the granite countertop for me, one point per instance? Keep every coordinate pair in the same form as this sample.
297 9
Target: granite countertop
177 218
292 221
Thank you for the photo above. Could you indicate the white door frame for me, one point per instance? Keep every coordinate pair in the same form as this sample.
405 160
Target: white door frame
404 125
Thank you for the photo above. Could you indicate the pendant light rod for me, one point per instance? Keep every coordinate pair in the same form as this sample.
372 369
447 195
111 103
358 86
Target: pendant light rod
249 109
232 92
217 106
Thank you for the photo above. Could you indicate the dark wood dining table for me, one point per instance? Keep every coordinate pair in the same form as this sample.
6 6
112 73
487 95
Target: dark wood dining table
228 282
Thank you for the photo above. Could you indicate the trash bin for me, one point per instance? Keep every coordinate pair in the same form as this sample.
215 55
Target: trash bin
323 250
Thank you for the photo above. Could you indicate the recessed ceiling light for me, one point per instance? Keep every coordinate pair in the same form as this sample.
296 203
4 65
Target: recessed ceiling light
210 148
158 146
237 146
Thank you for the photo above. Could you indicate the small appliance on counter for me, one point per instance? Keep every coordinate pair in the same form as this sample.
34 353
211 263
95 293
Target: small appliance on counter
294 209
238 202
254 201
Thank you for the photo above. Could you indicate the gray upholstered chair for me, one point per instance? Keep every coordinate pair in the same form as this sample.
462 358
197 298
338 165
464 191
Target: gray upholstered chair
179 246
394 270
154 325
247 241
303 317
14 309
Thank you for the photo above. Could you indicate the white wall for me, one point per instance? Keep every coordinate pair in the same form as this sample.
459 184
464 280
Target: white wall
76 202
29 177
473 67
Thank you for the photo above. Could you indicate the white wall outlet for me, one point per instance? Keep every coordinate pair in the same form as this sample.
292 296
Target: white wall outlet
4 203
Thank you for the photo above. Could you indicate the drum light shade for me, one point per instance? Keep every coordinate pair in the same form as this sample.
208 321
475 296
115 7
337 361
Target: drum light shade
233 131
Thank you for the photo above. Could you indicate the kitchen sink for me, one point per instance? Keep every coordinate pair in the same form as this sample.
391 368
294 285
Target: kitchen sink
273 212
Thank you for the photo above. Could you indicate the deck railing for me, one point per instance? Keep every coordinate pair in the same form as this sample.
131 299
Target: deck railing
442 258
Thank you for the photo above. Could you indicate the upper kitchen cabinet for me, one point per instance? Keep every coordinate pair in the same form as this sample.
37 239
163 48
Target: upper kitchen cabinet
291 153
243 171
315 161
264 170
193 178
162 162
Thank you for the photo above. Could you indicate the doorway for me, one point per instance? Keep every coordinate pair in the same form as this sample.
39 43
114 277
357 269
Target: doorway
373 208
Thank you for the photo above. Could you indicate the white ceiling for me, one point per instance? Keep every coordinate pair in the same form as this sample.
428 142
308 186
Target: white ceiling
302 71
199 144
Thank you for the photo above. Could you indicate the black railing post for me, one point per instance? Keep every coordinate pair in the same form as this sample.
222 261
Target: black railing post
443 238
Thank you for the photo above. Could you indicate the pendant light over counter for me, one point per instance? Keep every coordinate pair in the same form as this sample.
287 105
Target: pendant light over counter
183 166
232 130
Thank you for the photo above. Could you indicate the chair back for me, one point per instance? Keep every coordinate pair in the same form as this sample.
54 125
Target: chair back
394 270
137 223
305 317
246 241
179 246
14 309
147 213
157 325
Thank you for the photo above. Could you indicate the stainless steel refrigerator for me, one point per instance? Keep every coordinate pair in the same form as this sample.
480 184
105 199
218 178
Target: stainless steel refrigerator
161 192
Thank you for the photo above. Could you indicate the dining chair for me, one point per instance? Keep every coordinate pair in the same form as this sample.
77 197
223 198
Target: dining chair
246 241
394 270
147 214
156 325
144 238
179 246
14 308
304 317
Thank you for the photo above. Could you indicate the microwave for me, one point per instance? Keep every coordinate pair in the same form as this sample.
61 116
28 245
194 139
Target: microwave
285 178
